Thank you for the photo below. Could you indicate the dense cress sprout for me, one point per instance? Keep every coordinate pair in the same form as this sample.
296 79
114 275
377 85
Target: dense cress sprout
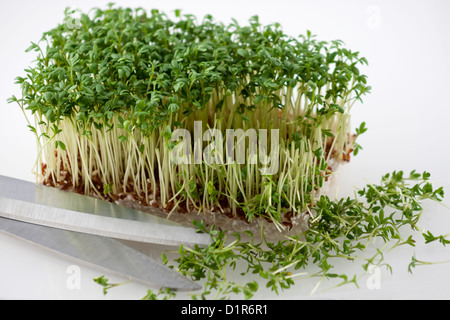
107 96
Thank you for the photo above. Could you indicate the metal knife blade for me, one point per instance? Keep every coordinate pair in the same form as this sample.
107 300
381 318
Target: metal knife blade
51 207
104 254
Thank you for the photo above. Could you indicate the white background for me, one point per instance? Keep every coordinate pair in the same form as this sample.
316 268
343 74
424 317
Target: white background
408 116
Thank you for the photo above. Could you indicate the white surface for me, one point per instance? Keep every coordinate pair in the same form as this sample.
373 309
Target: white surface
408 116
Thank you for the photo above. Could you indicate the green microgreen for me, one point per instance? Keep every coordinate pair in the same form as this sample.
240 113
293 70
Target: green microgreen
359 131
104 282
162 294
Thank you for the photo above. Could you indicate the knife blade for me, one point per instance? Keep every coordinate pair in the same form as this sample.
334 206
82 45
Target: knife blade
28 202
100 253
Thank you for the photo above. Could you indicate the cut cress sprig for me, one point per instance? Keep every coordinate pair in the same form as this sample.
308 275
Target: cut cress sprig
345 229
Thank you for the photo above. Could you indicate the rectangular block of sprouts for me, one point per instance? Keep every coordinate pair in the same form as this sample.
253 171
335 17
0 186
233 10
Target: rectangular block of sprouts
236 125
